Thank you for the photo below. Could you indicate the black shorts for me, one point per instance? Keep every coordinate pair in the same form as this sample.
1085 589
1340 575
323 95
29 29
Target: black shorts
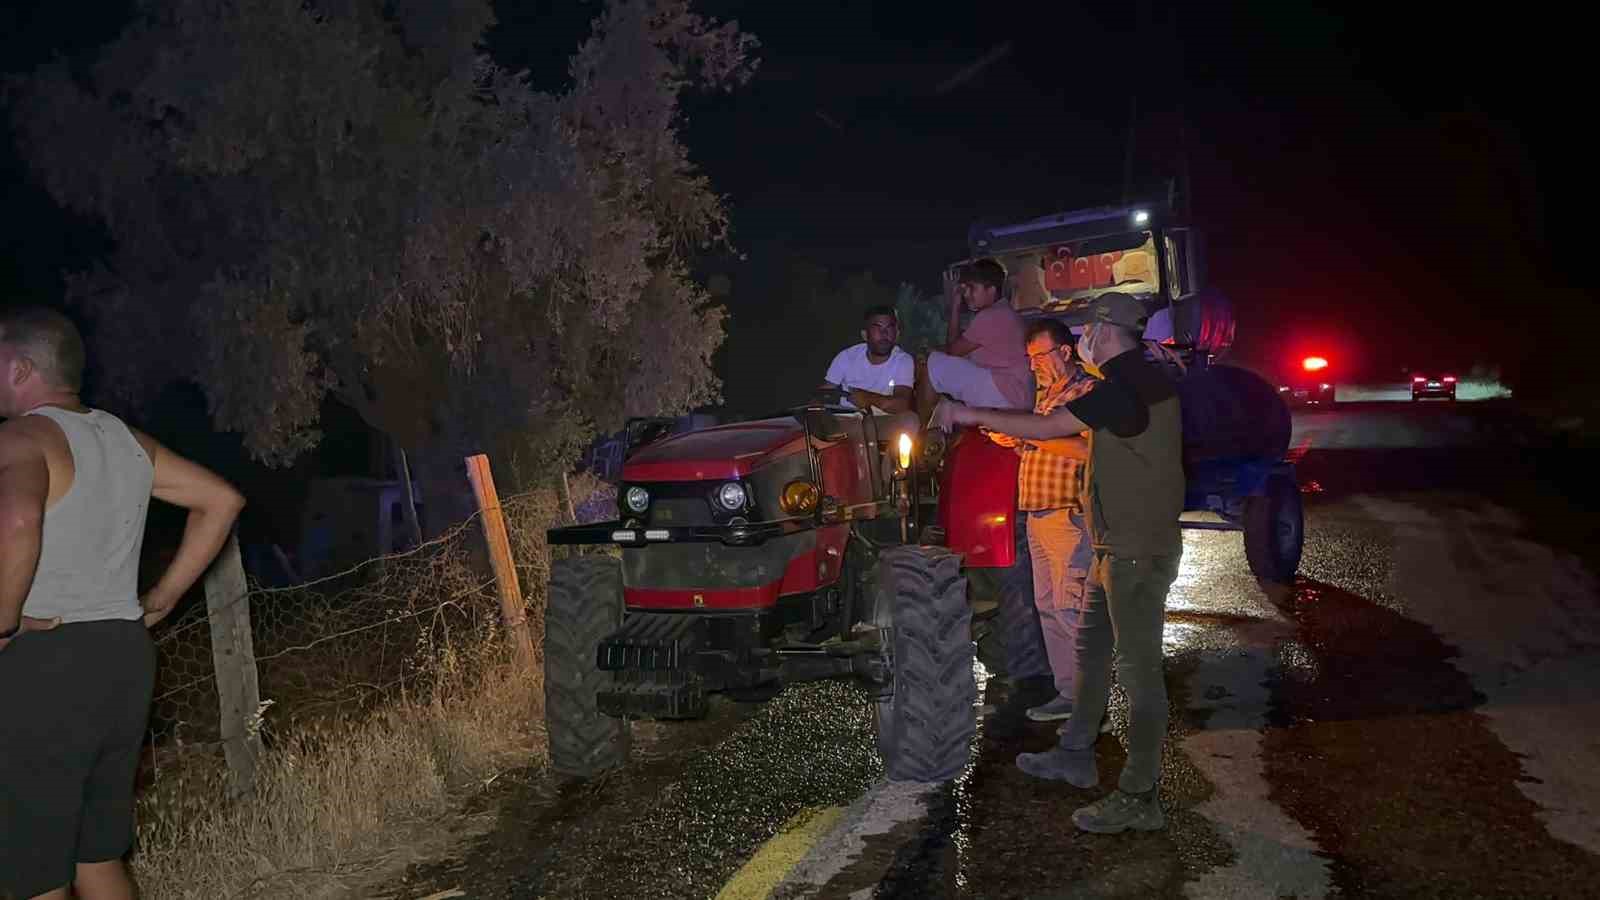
73 708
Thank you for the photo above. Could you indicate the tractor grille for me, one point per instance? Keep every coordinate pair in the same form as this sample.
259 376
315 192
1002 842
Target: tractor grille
680 511
683 566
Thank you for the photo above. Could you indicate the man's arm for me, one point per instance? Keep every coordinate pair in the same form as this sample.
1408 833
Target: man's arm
898 402
1017 424
960 346
213 506
1075 447
24 489
1110 405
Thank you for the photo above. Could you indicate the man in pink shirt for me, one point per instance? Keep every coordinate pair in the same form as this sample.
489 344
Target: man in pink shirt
986 365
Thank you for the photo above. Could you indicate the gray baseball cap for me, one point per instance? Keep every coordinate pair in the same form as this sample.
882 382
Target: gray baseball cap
1121 309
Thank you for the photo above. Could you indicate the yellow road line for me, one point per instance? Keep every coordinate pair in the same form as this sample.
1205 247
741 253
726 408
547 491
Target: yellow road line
756 879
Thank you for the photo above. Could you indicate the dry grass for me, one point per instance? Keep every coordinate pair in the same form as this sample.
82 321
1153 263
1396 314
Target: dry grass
327 801
389 698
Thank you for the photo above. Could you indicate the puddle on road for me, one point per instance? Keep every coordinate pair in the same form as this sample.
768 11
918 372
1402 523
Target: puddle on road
1384 759
998 833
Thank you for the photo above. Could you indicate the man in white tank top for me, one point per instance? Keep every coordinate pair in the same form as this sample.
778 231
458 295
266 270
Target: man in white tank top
75 485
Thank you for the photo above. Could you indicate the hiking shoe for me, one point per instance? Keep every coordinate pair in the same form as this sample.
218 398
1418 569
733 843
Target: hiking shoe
1054 711
1075 767
1118 811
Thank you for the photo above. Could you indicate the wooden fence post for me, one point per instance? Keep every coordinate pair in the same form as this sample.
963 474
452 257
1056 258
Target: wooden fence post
513 611
233 654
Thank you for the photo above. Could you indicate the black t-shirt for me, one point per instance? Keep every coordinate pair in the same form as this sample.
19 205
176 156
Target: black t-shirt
1121 402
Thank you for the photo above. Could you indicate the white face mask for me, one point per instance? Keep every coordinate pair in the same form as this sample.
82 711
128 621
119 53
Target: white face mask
1088 347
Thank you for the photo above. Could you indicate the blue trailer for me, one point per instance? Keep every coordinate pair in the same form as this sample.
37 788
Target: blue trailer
1239 470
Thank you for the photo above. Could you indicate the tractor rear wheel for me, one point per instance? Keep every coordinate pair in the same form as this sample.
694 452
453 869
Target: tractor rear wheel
925 724
584 605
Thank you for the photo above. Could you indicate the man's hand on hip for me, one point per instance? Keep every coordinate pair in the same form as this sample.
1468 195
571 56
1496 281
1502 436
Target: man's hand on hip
157 605
29 623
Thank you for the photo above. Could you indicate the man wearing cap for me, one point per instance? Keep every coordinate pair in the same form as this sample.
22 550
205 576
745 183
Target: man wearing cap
1136 488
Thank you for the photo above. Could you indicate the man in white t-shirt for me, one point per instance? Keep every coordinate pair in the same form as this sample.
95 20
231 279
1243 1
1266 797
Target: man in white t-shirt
875 374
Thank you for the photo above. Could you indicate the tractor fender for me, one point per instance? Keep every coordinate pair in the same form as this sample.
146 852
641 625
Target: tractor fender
978 500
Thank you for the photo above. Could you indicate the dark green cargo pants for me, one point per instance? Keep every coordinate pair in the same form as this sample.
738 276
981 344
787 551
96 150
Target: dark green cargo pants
1125 611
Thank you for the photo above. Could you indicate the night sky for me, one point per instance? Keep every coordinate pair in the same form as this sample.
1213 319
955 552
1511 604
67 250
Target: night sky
1385 186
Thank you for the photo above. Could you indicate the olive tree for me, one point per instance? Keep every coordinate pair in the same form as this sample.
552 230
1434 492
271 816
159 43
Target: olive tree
348 198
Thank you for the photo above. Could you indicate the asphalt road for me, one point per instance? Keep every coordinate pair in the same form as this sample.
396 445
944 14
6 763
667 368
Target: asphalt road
1417 716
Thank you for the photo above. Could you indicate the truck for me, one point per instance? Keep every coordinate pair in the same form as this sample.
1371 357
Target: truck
822 542
1240 475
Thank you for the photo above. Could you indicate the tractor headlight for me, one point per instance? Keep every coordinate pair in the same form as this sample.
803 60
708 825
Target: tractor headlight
637 499
905 451
731 496
798 498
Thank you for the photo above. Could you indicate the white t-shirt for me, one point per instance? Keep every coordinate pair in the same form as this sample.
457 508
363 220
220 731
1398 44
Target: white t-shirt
851 369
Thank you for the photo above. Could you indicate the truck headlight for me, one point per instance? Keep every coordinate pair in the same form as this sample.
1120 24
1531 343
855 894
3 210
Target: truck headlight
637 499
731 496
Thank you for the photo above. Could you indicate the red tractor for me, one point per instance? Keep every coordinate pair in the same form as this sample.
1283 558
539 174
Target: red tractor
818 543
809 544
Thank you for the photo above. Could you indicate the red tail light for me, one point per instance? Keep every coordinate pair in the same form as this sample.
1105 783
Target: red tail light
1419 379
1314 363
1449 379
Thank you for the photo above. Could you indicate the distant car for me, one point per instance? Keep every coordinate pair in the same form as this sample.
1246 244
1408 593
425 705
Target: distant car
1312 385
1433 386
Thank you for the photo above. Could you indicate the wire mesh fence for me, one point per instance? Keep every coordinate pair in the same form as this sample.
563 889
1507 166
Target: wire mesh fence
342 645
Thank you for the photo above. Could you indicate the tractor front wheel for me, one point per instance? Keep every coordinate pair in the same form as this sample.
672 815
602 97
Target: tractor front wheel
584 605
925 724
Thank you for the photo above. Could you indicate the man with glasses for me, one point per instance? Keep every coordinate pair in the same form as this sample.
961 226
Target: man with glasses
1050 488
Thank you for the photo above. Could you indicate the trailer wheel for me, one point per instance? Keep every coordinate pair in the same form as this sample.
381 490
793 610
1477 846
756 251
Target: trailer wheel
1274 530
925 724
584 605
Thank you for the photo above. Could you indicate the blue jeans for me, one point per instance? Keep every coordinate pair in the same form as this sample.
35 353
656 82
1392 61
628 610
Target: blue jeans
1058 541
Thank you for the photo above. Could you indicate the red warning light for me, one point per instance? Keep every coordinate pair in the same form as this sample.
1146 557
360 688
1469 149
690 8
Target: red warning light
1314 364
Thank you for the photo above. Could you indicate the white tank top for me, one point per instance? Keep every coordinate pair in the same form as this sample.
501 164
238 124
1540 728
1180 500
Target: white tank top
89 561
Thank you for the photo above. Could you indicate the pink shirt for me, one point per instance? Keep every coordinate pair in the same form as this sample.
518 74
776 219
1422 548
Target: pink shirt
998 332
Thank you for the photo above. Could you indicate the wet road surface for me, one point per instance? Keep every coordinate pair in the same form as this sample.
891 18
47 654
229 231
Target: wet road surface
1417 716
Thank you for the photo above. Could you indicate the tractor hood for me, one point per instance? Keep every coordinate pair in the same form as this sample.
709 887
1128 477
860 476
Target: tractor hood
723 452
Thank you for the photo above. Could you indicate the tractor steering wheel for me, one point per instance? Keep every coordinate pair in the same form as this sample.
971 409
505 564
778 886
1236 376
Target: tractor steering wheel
832 396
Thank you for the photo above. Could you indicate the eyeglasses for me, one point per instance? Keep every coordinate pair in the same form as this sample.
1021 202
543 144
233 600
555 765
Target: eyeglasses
1045 353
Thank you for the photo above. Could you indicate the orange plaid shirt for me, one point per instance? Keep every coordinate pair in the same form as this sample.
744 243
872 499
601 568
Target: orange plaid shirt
1050 480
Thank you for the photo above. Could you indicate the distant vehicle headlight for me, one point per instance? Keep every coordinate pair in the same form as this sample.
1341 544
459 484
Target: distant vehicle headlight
731 496
637 499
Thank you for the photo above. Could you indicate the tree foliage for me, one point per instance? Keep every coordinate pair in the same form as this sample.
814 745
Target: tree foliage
922 319
348 197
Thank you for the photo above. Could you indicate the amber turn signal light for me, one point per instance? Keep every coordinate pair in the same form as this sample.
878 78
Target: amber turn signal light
798 498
